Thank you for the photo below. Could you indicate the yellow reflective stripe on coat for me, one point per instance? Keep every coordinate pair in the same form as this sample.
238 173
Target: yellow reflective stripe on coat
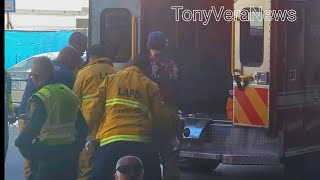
130 103
88 97
111 139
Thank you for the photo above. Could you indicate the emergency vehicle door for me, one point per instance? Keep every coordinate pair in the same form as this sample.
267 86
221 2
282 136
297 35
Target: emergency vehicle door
114 23
250 63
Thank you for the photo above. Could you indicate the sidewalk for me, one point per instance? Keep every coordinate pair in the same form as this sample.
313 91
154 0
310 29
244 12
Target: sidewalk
14 169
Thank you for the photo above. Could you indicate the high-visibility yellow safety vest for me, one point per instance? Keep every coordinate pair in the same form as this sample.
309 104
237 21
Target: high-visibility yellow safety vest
62 107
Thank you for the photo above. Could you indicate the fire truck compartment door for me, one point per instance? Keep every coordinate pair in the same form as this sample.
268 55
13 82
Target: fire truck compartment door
195 127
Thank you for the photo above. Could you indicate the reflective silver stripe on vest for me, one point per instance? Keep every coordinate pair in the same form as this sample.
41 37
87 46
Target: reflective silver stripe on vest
58 126
60 131
55 131
56 136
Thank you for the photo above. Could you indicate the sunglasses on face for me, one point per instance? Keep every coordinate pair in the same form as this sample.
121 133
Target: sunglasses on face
34 76
132 170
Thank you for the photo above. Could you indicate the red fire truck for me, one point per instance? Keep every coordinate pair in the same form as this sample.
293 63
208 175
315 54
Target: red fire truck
268 69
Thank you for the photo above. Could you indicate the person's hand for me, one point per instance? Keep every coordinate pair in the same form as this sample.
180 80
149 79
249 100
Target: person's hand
12 119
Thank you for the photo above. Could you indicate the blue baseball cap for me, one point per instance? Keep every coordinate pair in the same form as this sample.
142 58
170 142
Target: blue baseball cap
157 40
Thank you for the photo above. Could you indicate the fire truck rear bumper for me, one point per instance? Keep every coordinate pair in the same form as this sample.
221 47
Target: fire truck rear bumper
217 140
235 159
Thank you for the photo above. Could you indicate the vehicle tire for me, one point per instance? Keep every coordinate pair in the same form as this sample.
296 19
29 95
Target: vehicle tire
199 165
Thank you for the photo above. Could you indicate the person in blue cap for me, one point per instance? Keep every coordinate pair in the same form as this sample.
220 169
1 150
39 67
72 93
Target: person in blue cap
164 72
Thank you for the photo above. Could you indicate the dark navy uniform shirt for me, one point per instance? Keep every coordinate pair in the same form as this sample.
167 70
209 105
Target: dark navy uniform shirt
38 151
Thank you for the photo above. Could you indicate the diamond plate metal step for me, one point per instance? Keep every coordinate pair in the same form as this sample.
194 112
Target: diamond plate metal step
234 159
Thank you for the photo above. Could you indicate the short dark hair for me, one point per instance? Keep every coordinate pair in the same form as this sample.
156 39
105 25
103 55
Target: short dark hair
70 58
129 165
79 41
75 37
45 63
99 51
142 62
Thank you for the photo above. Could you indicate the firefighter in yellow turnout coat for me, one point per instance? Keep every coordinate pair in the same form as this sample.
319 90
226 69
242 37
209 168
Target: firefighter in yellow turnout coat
87 81
133 118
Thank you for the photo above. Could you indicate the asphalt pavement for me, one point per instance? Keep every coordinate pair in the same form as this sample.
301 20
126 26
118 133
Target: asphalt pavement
14 168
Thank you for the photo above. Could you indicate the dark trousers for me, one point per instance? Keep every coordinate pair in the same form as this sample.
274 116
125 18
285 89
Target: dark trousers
62 167
108 155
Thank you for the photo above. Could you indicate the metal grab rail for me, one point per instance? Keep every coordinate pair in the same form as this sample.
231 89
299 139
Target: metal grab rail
134 37
232 49
233 70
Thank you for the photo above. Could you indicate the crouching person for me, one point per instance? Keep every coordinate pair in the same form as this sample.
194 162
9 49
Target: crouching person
56 131
129 168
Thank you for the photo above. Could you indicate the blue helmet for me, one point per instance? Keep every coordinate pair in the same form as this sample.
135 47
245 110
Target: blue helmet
157 40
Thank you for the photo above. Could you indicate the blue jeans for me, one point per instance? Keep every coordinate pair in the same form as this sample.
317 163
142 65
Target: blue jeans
108 155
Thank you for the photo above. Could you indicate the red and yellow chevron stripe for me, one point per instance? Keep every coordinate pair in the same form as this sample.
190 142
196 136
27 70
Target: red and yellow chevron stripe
251 107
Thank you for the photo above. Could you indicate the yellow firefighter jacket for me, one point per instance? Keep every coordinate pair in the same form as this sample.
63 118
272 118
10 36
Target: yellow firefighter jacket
87 81
130 108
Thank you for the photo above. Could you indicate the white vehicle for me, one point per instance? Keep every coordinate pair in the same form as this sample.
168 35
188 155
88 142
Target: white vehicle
21 72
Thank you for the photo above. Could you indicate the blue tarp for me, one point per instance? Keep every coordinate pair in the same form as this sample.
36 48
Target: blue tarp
20 45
